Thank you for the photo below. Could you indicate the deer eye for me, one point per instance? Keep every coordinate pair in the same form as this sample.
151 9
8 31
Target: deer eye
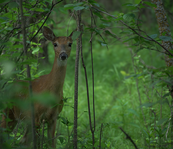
69 44
55 44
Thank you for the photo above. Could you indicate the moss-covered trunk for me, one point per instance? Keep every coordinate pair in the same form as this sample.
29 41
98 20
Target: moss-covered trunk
165 31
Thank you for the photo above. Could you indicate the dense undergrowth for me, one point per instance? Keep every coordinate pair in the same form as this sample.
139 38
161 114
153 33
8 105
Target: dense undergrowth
129 93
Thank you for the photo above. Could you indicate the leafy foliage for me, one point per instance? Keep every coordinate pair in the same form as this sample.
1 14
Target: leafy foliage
131 80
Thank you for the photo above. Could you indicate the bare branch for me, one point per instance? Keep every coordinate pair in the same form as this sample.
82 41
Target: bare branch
100 136
128 137
42 139
29 76
53 5
149 38
78 49
92 19
4 7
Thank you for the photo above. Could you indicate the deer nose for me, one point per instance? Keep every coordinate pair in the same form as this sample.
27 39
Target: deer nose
63 56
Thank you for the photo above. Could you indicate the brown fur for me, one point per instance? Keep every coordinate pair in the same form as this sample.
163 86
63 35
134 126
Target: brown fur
51 83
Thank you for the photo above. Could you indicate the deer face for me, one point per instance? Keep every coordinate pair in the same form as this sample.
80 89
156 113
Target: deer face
62 45
62 48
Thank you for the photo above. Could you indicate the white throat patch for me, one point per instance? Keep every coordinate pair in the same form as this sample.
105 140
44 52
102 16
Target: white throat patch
61 63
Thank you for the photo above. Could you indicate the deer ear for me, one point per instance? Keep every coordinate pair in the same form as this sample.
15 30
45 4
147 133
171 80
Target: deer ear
48 33
72 33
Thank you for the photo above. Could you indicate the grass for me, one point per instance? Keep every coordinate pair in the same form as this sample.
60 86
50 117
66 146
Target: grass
116 98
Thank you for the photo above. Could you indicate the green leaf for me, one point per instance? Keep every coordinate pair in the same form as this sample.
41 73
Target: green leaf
98 14
166 95
129 39
27 14
13 5
18 46
63 10
9 28
96 4
137 1
153 36
76 35
78 8
135 125
134 112
4 1
92 1
150 4
155 83
61 139
35 50
141 6
103 44
78 4
165 38
161 121
139 49
69 6
148 104
108 32
39 9
17 54
4 18
28 61
130 5
65 121
129 17
103 25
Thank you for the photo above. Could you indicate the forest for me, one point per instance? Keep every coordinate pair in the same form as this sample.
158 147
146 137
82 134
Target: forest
86 74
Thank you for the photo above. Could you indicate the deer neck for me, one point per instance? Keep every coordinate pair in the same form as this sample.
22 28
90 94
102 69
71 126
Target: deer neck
57 75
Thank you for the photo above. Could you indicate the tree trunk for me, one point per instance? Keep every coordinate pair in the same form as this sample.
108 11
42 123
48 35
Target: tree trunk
164 28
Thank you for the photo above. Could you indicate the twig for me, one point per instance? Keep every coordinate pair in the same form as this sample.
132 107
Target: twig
42 140
149 38
92 129
92 17
28 75
4 6
147 66
137 87
78 48
68 134
53 5
88 101
100 136
44 20
128 137
168 129
35 3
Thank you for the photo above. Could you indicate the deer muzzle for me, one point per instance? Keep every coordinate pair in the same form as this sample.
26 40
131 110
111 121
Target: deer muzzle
63 56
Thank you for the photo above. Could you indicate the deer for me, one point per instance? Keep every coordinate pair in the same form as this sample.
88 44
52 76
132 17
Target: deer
51 83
